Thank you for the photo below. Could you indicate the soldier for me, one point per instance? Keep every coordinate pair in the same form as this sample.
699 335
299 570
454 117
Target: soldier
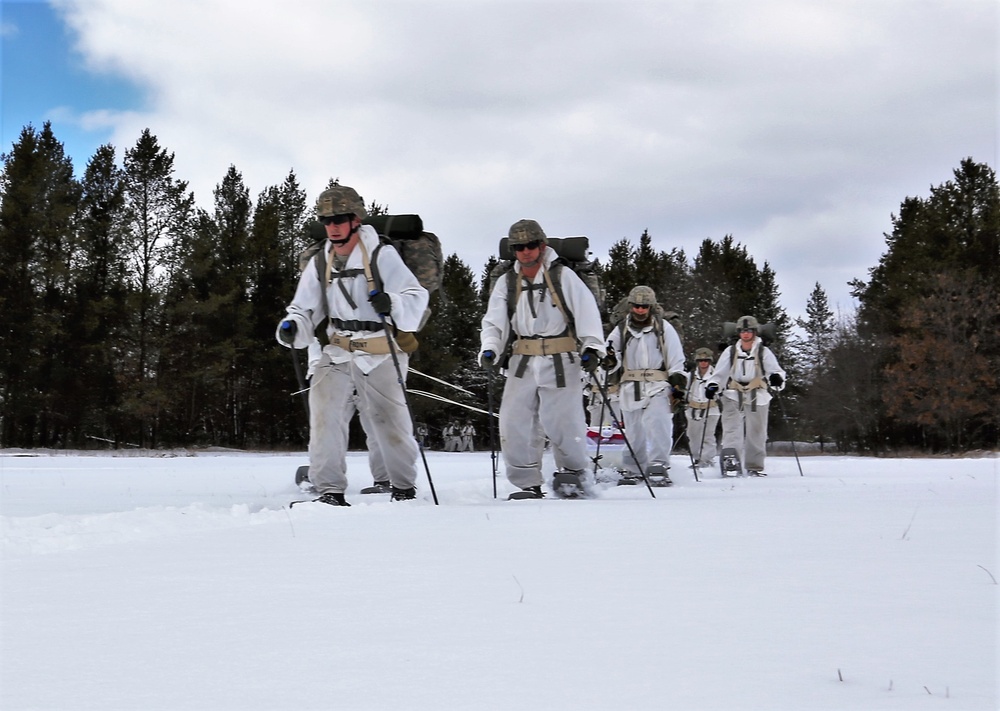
652 365
744 373
545 335
468 437
350 316
702 414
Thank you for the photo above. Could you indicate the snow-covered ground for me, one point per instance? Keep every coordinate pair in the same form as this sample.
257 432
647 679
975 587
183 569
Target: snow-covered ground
183 582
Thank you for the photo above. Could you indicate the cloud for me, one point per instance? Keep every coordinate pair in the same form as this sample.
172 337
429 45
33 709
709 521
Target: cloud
764 119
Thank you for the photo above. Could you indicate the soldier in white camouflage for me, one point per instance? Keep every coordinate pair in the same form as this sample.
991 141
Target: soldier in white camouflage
350 317
545 346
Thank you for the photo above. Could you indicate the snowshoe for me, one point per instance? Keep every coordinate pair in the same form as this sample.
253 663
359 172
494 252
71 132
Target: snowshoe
328 498
754 472
729 463
379 487
528 492
658 475
568 485
403 494
629 479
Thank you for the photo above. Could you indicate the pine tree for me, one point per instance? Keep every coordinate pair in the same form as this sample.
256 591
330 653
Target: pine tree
157 210
40 198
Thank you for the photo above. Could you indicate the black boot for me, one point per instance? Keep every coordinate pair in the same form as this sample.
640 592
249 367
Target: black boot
403 494
332 499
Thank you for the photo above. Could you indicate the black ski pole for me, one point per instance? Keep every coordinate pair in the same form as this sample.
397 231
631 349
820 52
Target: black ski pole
600 436
704 430
781 404
406 401
493 441
621 428
687 434
303 389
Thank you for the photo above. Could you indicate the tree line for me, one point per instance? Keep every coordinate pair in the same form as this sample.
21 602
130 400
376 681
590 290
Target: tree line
130 316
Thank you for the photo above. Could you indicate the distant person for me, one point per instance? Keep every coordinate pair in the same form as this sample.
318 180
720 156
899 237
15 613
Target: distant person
468 437
702 414
743 375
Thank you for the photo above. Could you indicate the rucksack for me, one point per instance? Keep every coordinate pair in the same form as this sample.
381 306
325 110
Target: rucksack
420 251
571 252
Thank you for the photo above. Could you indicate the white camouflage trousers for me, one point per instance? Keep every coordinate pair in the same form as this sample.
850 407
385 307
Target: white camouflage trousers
650 432
392 447
745 430
701 433
530 411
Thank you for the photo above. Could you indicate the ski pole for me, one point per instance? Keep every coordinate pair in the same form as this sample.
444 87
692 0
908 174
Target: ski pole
704 430
621 428
600 436
406 401
493 441
781 404
687 434
303 389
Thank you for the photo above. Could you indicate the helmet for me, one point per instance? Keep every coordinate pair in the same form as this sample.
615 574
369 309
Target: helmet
642 296
703 354
340 200
745 322
524 231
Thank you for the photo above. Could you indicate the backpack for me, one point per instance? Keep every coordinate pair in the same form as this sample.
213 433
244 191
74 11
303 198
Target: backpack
420 251
571 252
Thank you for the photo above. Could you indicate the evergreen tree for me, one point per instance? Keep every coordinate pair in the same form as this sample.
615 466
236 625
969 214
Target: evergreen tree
40 197
819 327
157 210
98 303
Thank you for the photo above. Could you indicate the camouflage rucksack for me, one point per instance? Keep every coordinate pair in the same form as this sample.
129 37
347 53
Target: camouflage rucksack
420 251
572 253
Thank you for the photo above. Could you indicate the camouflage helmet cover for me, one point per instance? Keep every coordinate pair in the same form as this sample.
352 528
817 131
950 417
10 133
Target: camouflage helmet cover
524 231
703 354
642 296
745 322
340 200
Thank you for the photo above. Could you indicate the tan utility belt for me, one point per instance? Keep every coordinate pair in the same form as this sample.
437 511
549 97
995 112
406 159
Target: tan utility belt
377 345
646 375
702 405
544 346
755 384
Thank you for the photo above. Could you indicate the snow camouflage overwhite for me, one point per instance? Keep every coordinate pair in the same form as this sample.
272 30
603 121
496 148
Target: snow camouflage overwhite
164 581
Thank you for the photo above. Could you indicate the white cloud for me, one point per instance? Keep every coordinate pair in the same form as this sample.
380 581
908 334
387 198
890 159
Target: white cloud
764 119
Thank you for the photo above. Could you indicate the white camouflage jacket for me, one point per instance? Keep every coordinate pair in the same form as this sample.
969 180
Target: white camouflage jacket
409 301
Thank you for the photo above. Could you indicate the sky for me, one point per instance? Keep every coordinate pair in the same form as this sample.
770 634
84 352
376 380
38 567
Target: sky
796 126
180 581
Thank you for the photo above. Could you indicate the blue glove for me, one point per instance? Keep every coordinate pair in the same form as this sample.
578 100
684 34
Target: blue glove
488 359
590 360
711 390
287 332
381 302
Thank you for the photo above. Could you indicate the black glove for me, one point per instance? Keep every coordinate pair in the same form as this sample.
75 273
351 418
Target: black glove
286 332
711 390
610 361
381 302
678 381
689 366
488 359
775 380
590 360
